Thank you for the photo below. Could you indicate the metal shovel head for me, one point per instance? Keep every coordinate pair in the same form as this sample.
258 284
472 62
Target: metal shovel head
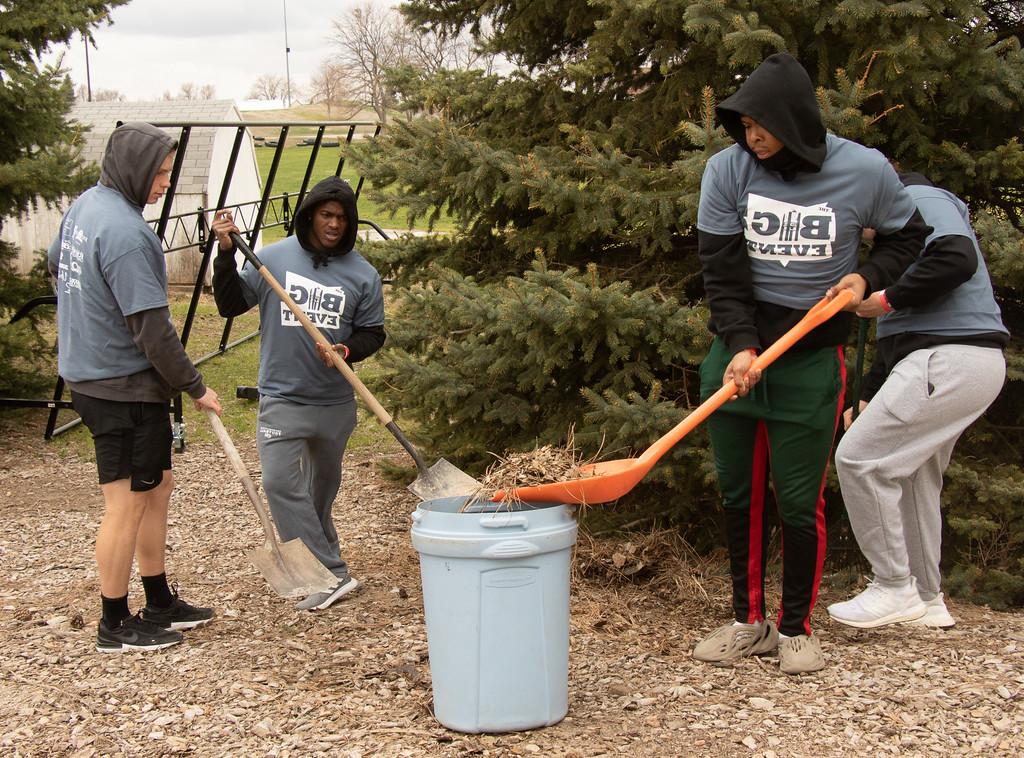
443 480
292 571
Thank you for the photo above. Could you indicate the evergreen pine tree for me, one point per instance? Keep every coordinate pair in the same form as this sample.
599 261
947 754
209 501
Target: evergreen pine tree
571 291
39 160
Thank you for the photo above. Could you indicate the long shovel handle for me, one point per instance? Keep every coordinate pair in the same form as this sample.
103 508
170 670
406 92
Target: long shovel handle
339 363
243 475
822 311
858 374
316 334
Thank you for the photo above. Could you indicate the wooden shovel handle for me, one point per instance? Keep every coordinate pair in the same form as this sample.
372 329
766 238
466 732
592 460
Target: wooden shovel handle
350 376
243 475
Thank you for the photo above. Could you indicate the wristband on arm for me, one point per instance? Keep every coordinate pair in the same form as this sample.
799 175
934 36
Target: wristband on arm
885 302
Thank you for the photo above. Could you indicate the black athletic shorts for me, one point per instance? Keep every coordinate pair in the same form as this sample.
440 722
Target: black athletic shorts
133 440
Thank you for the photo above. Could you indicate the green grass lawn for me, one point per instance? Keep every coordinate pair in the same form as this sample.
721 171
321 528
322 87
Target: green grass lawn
292 169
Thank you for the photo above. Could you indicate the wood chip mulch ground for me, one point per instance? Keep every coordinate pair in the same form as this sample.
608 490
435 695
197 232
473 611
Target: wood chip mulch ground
267 680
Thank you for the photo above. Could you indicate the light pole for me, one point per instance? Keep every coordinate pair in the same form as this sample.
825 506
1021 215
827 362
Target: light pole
88 77
287 50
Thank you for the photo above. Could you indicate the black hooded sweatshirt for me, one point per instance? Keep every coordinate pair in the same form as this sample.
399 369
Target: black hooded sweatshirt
227 290
780 96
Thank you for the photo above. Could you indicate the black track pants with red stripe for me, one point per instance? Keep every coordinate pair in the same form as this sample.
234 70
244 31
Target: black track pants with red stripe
781 436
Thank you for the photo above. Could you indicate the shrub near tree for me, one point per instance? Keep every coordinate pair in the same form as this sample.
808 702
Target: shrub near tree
39 157
571 292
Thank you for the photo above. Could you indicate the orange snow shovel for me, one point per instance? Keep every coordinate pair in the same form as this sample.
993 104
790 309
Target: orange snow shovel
440 480
610 480
289 567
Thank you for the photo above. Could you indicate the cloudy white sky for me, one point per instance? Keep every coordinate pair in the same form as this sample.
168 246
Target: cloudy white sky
155 46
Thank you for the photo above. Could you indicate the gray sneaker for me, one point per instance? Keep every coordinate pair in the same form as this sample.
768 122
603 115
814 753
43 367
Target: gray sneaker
800 654
320 600
734 641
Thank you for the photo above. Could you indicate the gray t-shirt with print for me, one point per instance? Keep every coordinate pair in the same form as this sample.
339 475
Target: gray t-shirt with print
803 235
969 309
108 265
338 297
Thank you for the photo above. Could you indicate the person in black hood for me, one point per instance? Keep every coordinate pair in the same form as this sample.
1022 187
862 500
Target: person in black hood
779 225
123 361
328 234
307 409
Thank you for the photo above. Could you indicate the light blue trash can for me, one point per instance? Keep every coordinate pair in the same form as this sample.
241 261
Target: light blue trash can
496 603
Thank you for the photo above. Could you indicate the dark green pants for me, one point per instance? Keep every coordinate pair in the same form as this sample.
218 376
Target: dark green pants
781 434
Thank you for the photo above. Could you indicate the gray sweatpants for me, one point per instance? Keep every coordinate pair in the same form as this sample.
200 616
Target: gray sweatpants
891 460
301 447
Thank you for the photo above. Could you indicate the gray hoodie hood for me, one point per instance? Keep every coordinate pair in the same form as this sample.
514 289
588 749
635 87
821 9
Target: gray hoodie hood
133 156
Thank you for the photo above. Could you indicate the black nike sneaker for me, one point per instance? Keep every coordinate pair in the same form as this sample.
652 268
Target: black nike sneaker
179 615
134 633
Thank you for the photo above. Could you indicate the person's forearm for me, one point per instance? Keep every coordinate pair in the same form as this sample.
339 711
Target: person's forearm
154 335
893 253
227 285
947 263
364 342
729 289
885 360
873 380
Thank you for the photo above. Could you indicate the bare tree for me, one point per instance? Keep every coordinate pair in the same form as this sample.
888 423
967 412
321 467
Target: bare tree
191 91
369 41
431 52
99 95
330 85
268 87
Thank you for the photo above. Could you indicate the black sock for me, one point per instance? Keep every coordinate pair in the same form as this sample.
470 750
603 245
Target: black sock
115 610
158 594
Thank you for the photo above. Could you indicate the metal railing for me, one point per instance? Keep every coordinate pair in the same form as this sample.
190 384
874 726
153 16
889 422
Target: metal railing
190 230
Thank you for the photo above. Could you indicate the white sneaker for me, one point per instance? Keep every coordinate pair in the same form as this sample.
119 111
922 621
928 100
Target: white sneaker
879 606
936 614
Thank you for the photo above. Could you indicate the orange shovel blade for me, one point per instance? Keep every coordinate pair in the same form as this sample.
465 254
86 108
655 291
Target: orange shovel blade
610 480
599 483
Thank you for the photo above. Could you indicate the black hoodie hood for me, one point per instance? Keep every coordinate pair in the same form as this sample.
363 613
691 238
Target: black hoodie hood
911 178
132 158
779 95
331 188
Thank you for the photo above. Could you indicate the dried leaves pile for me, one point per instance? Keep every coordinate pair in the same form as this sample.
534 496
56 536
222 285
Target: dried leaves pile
543 465
661 561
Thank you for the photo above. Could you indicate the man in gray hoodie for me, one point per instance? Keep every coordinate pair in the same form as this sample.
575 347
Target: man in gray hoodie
307 409
123 361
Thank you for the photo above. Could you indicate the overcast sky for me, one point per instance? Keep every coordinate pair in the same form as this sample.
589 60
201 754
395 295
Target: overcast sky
155 46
